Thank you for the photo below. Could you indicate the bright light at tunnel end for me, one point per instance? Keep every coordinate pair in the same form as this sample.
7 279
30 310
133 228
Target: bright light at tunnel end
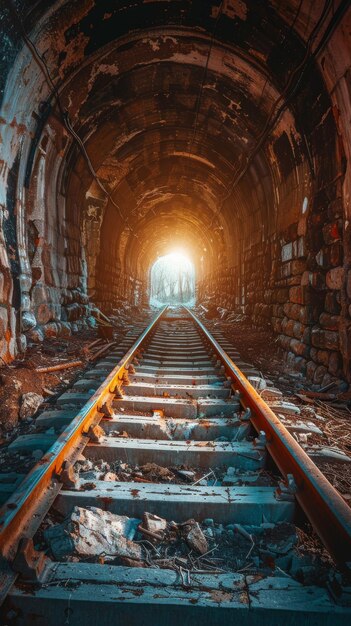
173 280
179 257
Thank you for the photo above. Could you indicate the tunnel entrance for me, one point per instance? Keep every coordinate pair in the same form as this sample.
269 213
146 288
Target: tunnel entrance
172 280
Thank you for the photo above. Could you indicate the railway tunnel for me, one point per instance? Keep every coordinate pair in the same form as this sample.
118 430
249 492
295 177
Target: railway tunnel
190 153
129 129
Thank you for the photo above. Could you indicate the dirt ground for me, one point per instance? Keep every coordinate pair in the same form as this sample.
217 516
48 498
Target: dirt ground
260 348
21 377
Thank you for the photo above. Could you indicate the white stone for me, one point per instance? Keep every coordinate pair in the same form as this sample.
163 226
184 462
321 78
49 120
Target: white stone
30 403
91 532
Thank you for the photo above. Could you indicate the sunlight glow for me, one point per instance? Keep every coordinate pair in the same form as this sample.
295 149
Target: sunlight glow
178 258
173 280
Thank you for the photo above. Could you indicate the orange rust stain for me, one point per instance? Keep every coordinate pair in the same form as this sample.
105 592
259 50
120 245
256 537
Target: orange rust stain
45 459
219 596
21 128
8 335
135 592
106 501
334 231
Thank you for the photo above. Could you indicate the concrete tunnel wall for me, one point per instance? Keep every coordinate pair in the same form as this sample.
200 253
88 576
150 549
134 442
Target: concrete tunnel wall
170 99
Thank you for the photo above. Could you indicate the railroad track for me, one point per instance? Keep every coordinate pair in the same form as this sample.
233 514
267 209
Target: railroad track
209 483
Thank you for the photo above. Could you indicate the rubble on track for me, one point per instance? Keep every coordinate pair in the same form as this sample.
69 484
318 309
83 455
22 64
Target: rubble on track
152 472
93 532
189 547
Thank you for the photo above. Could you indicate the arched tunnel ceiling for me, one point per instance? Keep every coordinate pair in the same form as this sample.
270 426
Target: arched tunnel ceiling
169 98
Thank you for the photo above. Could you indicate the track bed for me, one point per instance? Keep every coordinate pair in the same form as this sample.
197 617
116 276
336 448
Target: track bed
161 501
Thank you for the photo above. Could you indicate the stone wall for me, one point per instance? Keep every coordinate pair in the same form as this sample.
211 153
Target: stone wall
114 282
299 286
293 272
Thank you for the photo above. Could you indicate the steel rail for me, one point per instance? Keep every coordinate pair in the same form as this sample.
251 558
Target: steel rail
22 504
325 508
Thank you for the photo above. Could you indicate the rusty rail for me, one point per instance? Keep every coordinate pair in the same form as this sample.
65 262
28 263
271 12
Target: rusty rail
328 513
23 503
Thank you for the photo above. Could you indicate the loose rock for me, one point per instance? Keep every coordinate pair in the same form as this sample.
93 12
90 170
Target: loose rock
187 475
194 536
156 471
30 403
110 477
154 523
91 532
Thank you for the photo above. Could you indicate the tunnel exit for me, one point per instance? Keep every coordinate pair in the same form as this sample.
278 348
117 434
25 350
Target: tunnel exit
172 280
